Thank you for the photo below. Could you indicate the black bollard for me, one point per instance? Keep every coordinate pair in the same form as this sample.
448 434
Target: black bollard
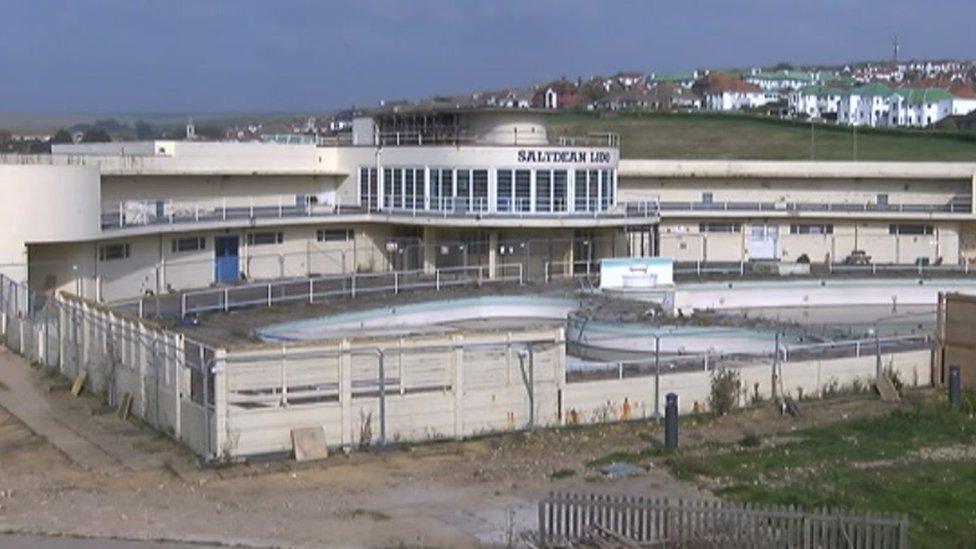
671 421
955 385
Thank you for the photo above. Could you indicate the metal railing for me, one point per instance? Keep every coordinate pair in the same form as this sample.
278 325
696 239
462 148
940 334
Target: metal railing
743 268
961 205
146 212
309 290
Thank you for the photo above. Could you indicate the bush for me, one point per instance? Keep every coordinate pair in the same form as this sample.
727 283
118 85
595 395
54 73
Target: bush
804 258
724 391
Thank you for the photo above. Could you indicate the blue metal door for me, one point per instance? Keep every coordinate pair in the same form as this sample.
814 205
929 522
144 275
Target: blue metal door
227 263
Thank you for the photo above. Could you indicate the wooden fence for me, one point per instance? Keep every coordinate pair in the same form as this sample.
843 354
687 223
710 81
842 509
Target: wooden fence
587 519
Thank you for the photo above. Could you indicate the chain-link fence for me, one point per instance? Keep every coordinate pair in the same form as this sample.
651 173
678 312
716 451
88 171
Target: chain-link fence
158 375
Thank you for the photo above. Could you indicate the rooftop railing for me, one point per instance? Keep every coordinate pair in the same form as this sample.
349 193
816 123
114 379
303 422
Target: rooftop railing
959 204
149 212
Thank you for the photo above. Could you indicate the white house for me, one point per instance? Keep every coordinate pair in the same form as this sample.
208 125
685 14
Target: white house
551 99
815 101
733 95
864 106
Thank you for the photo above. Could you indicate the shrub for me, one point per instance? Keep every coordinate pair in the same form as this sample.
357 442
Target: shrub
724 391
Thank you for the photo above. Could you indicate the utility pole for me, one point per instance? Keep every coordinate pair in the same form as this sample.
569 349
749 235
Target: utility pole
894 44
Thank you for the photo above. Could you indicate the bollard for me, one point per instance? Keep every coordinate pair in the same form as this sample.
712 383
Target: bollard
954 385
671 421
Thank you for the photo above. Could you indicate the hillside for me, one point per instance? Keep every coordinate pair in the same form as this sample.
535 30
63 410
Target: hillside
716 136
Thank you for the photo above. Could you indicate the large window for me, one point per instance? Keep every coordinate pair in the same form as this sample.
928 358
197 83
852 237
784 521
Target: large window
719 228
910 229
580 188
435 189
333 235
543 191
593 194
523 190
606 194
559 196
463 195
479 183
367 188
812 228
188 244
265 238
113 252
504 192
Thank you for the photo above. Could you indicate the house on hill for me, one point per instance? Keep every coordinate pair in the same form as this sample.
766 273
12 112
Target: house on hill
725 92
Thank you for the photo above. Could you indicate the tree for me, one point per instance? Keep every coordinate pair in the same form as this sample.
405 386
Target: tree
144 130
62 136
96 136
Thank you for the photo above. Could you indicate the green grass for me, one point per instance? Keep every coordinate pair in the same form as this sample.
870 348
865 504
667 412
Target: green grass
743 137
863 464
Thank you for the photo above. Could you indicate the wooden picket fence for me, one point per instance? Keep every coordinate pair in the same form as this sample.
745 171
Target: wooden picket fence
567 519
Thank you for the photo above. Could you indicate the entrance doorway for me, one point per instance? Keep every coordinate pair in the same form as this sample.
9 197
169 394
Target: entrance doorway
226 258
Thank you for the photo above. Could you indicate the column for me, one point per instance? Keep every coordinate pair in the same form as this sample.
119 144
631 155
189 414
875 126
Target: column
492 255
429 242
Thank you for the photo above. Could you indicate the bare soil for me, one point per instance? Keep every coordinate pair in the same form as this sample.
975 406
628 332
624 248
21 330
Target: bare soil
471 493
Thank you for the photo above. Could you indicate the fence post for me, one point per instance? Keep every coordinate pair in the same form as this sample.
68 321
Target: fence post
671 421
183 305
353 287
955 385
396 282
311 290
657 377
382 373
269 294
226 299
437 279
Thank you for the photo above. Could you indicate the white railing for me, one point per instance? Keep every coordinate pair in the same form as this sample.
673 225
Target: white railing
309 290
962 205
144 212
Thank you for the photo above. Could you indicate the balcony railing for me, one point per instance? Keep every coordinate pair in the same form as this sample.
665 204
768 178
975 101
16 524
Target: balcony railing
960 205
139 213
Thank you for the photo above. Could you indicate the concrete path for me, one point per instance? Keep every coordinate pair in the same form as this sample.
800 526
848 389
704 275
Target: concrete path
44 542
67 423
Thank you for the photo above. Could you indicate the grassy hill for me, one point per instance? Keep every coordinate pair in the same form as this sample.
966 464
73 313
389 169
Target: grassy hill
742 137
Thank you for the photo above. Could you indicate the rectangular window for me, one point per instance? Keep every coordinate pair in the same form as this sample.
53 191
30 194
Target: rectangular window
435 189
593 201
367 188
420 179
559 190
479 184
410 189
882 200
581 188
504 192
719 227
812 228
708 198
543 191
189 244
113 252
463 195
523 190
397 188
261 239
910 229
333 235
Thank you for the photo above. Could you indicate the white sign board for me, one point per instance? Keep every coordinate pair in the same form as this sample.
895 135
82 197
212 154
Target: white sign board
636 272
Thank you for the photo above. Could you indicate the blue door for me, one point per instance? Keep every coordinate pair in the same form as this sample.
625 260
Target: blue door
227 263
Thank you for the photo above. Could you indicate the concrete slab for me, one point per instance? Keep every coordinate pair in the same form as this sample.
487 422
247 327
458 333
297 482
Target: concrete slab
887 389
309 443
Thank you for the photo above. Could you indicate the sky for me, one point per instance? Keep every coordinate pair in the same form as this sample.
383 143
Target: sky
115 56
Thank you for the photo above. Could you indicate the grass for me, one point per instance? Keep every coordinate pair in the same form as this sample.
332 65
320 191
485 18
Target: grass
867 464
744 137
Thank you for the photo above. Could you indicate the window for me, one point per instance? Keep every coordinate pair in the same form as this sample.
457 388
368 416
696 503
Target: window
189 244
559 190
479 189
882 200
580 188
594 191
910 229
504 184
543 191
707 198
113 252
719 227
812 228
463 194
260 239
523 190
367 188
333 235
435 189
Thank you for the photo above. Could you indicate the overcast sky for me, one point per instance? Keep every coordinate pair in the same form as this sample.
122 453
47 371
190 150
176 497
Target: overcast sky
288 55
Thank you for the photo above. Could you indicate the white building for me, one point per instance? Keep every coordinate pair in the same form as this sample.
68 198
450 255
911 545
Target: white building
864 106
736 95
815 101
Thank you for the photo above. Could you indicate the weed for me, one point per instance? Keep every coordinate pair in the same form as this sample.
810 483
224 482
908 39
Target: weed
561 474
724 390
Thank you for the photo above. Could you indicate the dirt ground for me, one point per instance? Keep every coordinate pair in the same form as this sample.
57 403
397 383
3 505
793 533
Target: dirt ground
473 493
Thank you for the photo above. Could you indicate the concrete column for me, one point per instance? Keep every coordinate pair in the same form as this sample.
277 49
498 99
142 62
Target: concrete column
345 392
220 403
430 249
457 384
492 255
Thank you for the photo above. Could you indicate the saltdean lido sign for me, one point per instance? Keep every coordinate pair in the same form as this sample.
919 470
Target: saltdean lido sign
571 156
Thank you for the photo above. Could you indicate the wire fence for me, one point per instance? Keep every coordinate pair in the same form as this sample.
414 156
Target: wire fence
163 377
